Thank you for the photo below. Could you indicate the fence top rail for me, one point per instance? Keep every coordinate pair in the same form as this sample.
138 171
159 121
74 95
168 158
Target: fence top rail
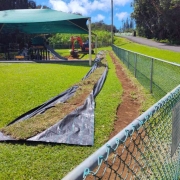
104 151
175 64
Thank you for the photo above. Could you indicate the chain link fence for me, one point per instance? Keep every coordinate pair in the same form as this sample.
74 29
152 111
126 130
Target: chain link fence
156 75
148 148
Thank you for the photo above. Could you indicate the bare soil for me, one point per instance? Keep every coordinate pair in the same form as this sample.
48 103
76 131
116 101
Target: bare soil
129 109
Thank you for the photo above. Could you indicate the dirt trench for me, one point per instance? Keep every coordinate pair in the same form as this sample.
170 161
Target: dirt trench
129 109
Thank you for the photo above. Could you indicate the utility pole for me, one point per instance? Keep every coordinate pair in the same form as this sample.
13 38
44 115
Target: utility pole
112 22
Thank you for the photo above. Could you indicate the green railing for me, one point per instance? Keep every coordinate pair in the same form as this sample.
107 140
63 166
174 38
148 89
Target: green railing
156 75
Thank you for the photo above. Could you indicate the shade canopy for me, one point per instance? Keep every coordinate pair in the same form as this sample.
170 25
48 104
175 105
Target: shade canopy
35 21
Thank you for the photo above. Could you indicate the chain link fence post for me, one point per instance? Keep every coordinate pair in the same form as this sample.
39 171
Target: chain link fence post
151 76
135 65
128 59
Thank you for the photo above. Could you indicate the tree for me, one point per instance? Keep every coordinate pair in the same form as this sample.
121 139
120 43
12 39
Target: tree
13 4
16 4
131 24
158 19
127 24
102 26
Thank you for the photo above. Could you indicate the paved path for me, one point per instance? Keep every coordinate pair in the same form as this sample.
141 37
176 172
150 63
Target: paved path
152 43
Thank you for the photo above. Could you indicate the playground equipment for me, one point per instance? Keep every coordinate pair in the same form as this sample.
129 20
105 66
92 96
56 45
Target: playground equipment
35 48
54 53
41 50
84 46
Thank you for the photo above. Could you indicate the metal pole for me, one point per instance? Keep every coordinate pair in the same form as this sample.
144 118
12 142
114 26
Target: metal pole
128 60
151 76
112 21
135 66
96 44
90 51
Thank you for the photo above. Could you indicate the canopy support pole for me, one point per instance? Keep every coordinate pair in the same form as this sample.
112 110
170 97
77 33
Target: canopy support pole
96 44
90 49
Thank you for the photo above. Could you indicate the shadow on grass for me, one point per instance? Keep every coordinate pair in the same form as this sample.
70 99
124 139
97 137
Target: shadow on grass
71 63
36 143
84 63
124 44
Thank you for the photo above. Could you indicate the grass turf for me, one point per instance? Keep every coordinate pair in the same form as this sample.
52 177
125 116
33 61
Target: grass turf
48 161
21 161
25 86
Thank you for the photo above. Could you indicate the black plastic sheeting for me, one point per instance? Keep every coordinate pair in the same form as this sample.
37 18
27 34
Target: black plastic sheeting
77 127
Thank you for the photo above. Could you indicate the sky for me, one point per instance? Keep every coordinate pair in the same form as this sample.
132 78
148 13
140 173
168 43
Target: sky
96 9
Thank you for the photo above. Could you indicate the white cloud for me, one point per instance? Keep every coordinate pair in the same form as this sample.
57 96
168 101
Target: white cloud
76 6
98 18
59 5
122 15
85 7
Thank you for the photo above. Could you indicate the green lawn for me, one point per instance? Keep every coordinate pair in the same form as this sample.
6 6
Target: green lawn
147 50
165 76
66 53
24 86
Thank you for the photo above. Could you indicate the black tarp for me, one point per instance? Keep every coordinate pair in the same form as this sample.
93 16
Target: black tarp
78 126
